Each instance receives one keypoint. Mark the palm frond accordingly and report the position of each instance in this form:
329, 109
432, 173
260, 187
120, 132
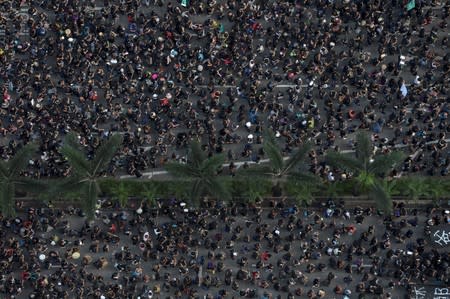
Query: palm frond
258, 170
364, 148
180, 190
304, 177
437, 188
391, 186
72, 140
274, 154
67, 185
212, 164
272, 150
121, 193
343, 161
77, 160
415, 188
255, 189
218, 188
4, 173
196, 155
105, 153
29, 185
20, 159
332, 190
7, 201
382, 198
383, 163
181, 170
196, 191
297, 158
150, 192
269, 137
303, 193
89, 201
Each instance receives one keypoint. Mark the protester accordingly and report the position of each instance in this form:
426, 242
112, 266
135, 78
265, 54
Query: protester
279, 251
164, 72
221, 71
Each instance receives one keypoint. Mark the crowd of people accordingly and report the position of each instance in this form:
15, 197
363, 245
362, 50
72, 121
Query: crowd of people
220, 251
165, 72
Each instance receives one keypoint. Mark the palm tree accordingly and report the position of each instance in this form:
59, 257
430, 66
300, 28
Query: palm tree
280, 169
254, 190
121, 193
298, 182
201, 172
302, 192
150, 192
85, 174
368, 169
415, 187
382, 192
11, 180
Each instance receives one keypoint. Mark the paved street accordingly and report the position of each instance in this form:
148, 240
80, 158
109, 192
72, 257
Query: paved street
313, 88
222, 71
277, 251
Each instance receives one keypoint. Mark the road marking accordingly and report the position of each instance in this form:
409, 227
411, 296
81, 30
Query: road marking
285, 86
150, 174
363, 266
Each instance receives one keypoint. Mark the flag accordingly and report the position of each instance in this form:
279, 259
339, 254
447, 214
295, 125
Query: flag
410, 5
404, 90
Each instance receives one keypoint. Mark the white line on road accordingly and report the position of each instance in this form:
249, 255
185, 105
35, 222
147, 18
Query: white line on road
282, 86
151, 174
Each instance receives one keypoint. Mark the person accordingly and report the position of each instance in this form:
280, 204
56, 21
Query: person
165, 74
188, 62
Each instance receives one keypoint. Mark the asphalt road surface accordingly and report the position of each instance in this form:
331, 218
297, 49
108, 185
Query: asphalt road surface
278, 256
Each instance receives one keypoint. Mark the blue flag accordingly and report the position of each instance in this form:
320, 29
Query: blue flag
404, 90
410, 5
